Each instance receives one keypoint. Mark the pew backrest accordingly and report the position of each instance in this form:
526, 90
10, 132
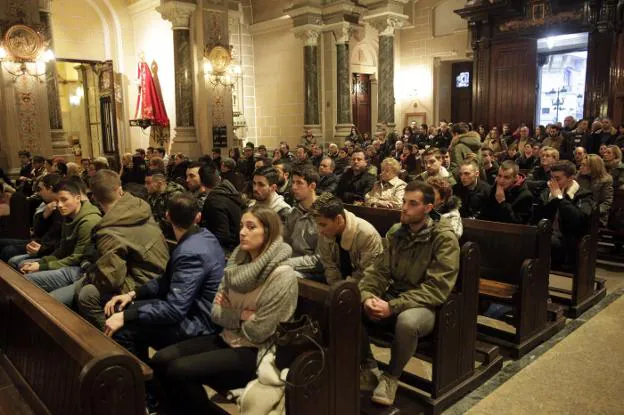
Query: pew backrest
62, 363
381, 219
505, 247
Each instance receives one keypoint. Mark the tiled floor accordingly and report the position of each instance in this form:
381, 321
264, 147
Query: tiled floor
583, 374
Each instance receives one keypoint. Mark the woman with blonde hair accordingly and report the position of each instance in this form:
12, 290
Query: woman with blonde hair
613, 163
73, 169
258, 291
389, 190
594, 177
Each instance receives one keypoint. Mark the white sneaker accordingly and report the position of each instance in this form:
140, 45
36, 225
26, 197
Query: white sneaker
385, 392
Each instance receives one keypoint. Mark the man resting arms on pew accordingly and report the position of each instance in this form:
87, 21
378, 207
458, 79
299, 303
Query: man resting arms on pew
419, 270
62, 268
347, 245
569, 207
128, 249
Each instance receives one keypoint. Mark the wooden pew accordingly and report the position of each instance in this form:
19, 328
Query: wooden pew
514, 270
17, 224
452, 348
58, 362
336, 391
586, 289
381, 219
611, 238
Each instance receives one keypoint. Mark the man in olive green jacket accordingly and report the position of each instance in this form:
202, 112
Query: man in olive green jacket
419, 271
130, 248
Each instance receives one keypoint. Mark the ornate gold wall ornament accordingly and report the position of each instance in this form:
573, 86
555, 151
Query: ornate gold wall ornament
220, 59
552, 19
219, 67
24, 52
23, 43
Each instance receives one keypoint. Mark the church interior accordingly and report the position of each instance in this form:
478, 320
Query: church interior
192, 94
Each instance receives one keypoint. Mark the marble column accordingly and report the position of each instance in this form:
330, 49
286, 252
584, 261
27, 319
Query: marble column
179, 14
312, 116
344, 120
386, 27
60, 146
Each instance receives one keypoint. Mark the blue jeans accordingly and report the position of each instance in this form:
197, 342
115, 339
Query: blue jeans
11, 247
53, 280
17, 261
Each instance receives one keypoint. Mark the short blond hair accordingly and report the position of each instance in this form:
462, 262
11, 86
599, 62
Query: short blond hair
551, 150
392, 163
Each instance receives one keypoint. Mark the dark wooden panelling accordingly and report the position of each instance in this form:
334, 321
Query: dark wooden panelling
513, 75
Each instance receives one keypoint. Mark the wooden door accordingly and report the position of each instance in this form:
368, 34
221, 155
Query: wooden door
461, 92
108, 113
361, 102
513, 83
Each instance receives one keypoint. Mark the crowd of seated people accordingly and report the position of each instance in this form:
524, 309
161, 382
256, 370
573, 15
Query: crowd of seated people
198, 259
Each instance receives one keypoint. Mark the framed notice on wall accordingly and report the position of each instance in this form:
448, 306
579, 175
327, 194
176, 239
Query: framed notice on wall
219, 137
418, 117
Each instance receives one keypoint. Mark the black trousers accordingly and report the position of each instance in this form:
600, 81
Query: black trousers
138, 337
182, 369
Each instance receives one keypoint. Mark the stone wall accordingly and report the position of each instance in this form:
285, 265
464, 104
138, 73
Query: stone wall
79, 32
278, 59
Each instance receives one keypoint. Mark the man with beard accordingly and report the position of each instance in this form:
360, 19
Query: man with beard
222, 209
355, 182
284, 183
194, 183
264, 192
554, 139
419, 270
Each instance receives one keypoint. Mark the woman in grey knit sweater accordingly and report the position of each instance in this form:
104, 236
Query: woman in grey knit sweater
257, 292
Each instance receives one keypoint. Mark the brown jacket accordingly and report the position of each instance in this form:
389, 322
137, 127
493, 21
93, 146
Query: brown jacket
363, 243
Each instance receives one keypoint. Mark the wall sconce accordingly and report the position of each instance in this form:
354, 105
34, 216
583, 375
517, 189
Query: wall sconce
76, 99
218, 67
24, 52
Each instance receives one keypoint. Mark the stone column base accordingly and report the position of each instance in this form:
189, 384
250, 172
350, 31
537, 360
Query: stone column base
342, 130
185, 142
60, 146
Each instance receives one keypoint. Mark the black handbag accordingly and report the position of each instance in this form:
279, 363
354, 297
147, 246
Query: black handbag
294, 337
